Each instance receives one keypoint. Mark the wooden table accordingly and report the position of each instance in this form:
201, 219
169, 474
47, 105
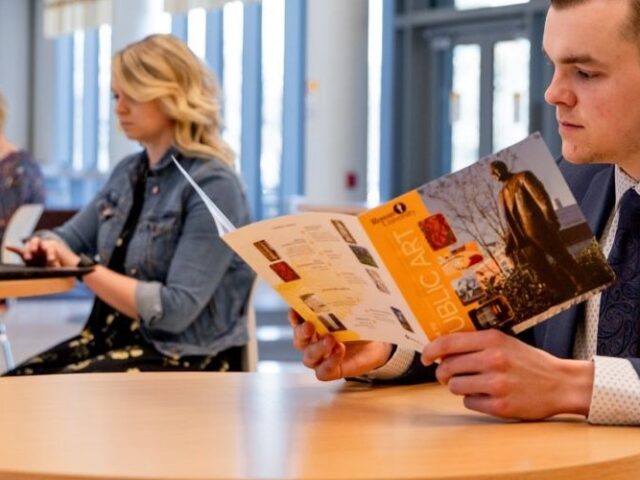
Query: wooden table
242, 425
34, 287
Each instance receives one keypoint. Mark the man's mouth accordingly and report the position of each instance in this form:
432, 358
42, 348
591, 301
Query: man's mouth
565, 124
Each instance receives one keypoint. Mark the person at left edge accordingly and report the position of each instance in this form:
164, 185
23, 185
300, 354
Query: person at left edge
21, 179
170, 295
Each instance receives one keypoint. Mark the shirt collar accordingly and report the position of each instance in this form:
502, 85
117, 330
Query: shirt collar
623, 183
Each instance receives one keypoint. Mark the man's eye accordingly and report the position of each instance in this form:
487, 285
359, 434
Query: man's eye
585, 75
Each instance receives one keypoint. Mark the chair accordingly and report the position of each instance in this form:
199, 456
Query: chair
21, 225
250, 350
54, 217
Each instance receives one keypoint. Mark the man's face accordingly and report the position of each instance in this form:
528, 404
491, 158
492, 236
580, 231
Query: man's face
596, 83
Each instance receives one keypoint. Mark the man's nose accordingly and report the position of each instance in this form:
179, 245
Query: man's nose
559, 92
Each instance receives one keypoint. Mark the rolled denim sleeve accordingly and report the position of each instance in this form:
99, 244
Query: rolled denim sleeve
148, 298
201, 258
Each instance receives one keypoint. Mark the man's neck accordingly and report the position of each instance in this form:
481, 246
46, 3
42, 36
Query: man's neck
631, 168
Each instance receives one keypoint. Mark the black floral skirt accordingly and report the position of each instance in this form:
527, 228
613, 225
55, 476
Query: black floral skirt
114, 343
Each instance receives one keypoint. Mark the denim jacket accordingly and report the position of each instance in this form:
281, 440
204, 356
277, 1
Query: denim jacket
193, 289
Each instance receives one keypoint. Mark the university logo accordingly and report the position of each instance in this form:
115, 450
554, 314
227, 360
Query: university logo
399, 208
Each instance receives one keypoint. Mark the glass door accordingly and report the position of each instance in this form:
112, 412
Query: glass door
486, 90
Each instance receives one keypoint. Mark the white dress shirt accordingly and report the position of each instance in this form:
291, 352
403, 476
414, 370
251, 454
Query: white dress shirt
616, 388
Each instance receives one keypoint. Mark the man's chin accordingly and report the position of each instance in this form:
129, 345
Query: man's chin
582, 158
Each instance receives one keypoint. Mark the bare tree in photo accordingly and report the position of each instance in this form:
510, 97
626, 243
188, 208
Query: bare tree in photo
470, 199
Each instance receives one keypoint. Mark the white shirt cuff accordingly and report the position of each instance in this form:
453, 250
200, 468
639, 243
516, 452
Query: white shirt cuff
395, 367
616, 393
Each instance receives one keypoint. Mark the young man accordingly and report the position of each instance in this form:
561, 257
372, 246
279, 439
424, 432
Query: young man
585, 360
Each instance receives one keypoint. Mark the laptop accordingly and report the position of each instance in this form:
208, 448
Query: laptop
24, 272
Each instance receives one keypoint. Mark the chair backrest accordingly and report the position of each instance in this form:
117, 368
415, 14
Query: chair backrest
54, 217
21, 225
250, 352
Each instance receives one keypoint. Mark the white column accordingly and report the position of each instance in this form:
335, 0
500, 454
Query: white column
336, 109
15, 58
132, 21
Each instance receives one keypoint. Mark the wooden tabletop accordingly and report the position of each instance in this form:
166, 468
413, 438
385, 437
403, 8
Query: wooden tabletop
242, 425
34, 287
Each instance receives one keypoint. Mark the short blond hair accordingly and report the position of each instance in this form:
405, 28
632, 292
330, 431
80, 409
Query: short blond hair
161, 67
3, 112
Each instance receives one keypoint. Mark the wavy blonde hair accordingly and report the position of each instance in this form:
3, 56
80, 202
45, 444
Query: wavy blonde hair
161, 67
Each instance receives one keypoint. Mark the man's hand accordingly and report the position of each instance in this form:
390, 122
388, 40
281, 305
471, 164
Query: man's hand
39, 252
331, 359
502, 376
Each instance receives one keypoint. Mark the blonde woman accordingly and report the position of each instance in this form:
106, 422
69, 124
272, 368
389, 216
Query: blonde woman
170, 295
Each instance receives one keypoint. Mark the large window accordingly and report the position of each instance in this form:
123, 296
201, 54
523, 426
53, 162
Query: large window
374, 88
235, 56
82, 117
272, 98
511, 92
472, 83
196, 32
256, 49
104, 97
464, 106
233, 35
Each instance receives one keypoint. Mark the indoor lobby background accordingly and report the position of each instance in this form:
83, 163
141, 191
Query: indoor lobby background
327, 104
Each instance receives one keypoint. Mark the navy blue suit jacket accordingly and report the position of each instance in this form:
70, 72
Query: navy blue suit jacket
593, 186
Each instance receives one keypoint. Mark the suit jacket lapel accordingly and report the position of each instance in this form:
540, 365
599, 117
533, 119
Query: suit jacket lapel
557, 335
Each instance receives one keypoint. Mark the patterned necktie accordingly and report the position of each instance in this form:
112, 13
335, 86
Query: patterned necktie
619, 327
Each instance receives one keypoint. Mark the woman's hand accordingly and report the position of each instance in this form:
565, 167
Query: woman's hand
51, 253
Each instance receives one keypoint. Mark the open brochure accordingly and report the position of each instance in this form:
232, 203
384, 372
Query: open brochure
500, 244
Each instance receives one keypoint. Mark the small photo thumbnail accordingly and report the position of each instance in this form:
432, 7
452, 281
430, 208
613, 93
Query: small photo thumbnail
331, 322
437, 231
363, 255
402, 319
284, 271
343, 231
267, 250
468, 289
377, 280
315, 304
496, 313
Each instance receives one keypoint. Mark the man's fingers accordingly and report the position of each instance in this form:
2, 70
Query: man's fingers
303, 335
294, 318
498, 407
331, 367
480, 384
319, 351
463, 364
459, 343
